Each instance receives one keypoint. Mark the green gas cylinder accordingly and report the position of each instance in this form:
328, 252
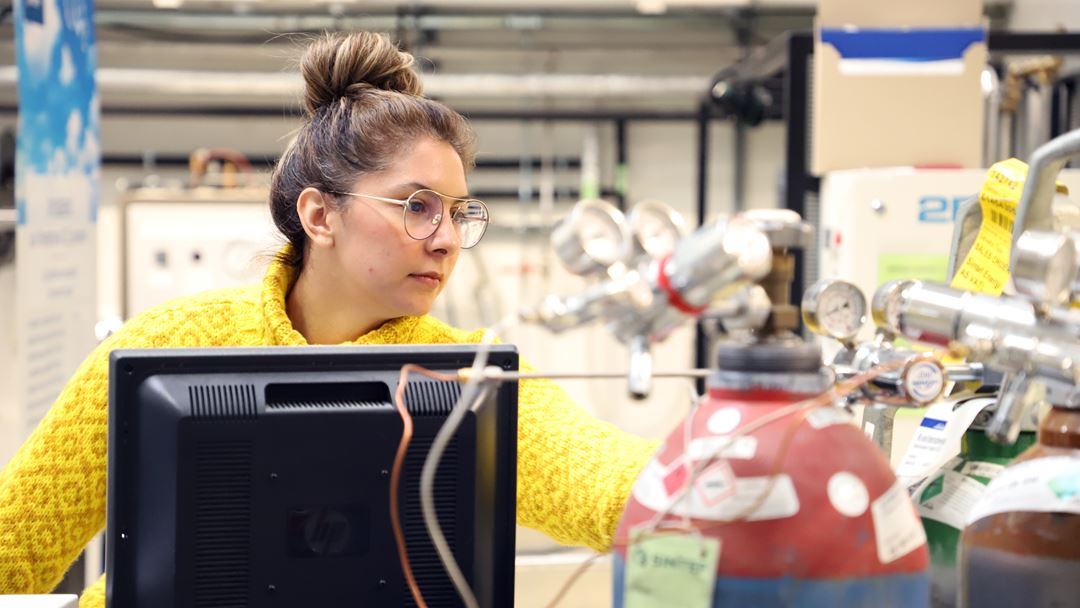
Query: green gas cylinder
944, 499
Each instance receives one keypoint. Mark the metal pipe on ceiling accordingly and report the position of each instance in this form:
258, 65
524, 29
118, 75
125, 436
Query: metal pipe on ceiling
532, 16
278, 85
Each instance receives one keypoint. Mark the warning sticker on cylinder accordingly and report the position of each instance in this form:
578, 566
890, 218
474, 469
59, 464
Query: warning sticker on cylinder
715, 483
897, 528
717, 496
676, 473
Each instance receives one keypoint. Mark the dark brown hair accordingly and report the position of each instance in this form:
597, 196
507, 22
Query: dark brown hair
365, 106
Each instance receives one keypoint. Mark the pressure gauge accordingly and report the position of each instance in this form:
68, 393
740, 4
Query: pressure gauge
834, 308
886, 304
593, 237
656, 228
923, 381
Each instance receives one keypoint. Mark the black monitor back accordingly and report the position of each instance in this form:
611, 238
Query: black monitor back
260, 477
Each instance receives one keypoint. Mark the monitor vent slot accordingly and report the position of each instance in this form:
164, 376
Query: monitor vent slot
328, 395
431, 398
330, 405
236, 401
222, 536
435, 584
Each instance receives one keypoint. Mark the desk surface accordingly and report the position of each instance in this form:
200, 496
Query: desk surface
39, 601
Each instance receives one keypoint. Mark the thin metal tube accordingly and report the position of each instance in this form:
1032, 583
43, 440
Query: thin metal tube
689, 373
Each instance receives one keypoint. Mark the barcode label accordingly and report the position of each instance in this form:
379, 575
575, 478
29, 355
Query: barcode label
1000, 219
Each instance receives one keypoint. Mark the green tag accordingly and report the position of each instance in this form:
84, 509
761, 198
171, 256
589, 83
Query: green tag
671, 570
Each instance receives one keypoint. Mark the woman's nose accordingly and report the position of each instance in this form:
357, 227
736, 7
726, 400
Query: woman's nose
446, 238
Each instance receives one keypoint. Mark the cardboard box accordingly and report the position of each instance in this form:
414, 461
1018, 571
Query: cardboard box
897, 86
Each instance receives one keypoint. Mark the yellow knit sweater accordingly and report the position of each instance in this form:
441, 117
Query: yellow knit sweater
574, 472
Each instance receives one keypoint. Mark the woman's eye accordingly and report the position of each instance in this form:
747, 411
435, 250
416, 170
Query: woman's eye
425, 203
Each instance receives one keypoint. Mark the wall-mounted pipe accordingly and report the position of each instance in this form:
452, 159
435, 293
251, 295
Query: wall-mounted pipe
253, 85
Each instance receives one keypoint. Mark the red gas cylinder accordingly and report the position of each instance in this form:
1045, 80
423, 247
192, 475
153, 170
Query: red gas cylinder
806, 509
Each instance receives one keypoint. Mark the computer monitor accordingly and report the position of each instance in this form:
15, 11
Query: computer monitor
260, 477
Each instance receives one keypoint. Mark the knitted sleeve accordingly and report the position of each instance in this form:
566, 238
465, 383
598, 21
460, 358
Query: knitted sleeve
575, 472
52, 492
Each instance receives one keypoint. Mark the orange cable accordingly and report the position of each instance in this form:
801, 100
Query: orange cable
395, 473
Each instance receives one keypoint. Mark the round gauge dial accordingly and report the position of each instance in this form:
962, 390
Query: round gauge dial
886, 305
923, 381
656, 227
834, 308
591, 238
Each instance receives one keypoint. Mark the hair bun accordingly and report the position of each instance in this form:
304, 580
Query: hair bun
342, 65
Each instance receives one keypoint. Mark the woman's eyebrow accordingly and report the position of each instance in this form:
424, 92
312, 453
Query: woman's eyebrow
420, 186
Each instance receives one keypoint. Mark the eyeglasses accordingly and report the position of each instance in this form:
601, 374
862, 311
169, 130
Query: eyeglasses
422, 214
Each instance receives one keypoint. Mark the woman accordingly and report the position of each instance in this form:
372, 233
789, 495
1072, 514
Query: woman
372, 199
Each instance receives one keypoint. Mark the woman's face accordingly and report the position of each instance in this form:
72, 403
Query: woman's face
382, 267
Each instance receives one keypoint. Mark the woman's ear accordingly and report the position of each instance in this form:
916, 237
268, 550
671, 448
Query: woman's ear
313, 208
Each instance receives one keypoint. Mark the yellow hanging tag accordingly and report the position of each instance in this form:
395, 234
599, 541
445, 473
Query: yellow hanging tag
671, 570
986, 267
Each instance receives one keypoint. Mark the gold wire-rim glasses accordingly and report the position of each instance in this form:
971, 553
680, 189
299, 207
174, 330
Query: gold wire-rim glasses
480, 216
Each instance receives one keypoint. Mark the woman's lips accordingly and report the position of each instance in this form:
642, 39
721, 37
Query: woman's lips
428, 279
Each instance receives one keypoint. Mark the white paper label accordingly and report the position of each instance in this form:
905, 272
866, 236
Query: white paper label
742, 448
1043, 485
822, 417
714, 505
949, 497
988, 470
938, 438
897, 528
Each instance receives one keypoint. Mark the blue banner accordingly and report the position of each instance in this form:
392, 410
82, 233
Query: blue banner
57, 177
59, 110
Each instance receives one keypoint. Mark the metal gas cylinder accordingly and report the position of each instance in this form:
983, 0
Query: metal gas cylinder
1021, 545
946, 497
834, 529
798, 508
